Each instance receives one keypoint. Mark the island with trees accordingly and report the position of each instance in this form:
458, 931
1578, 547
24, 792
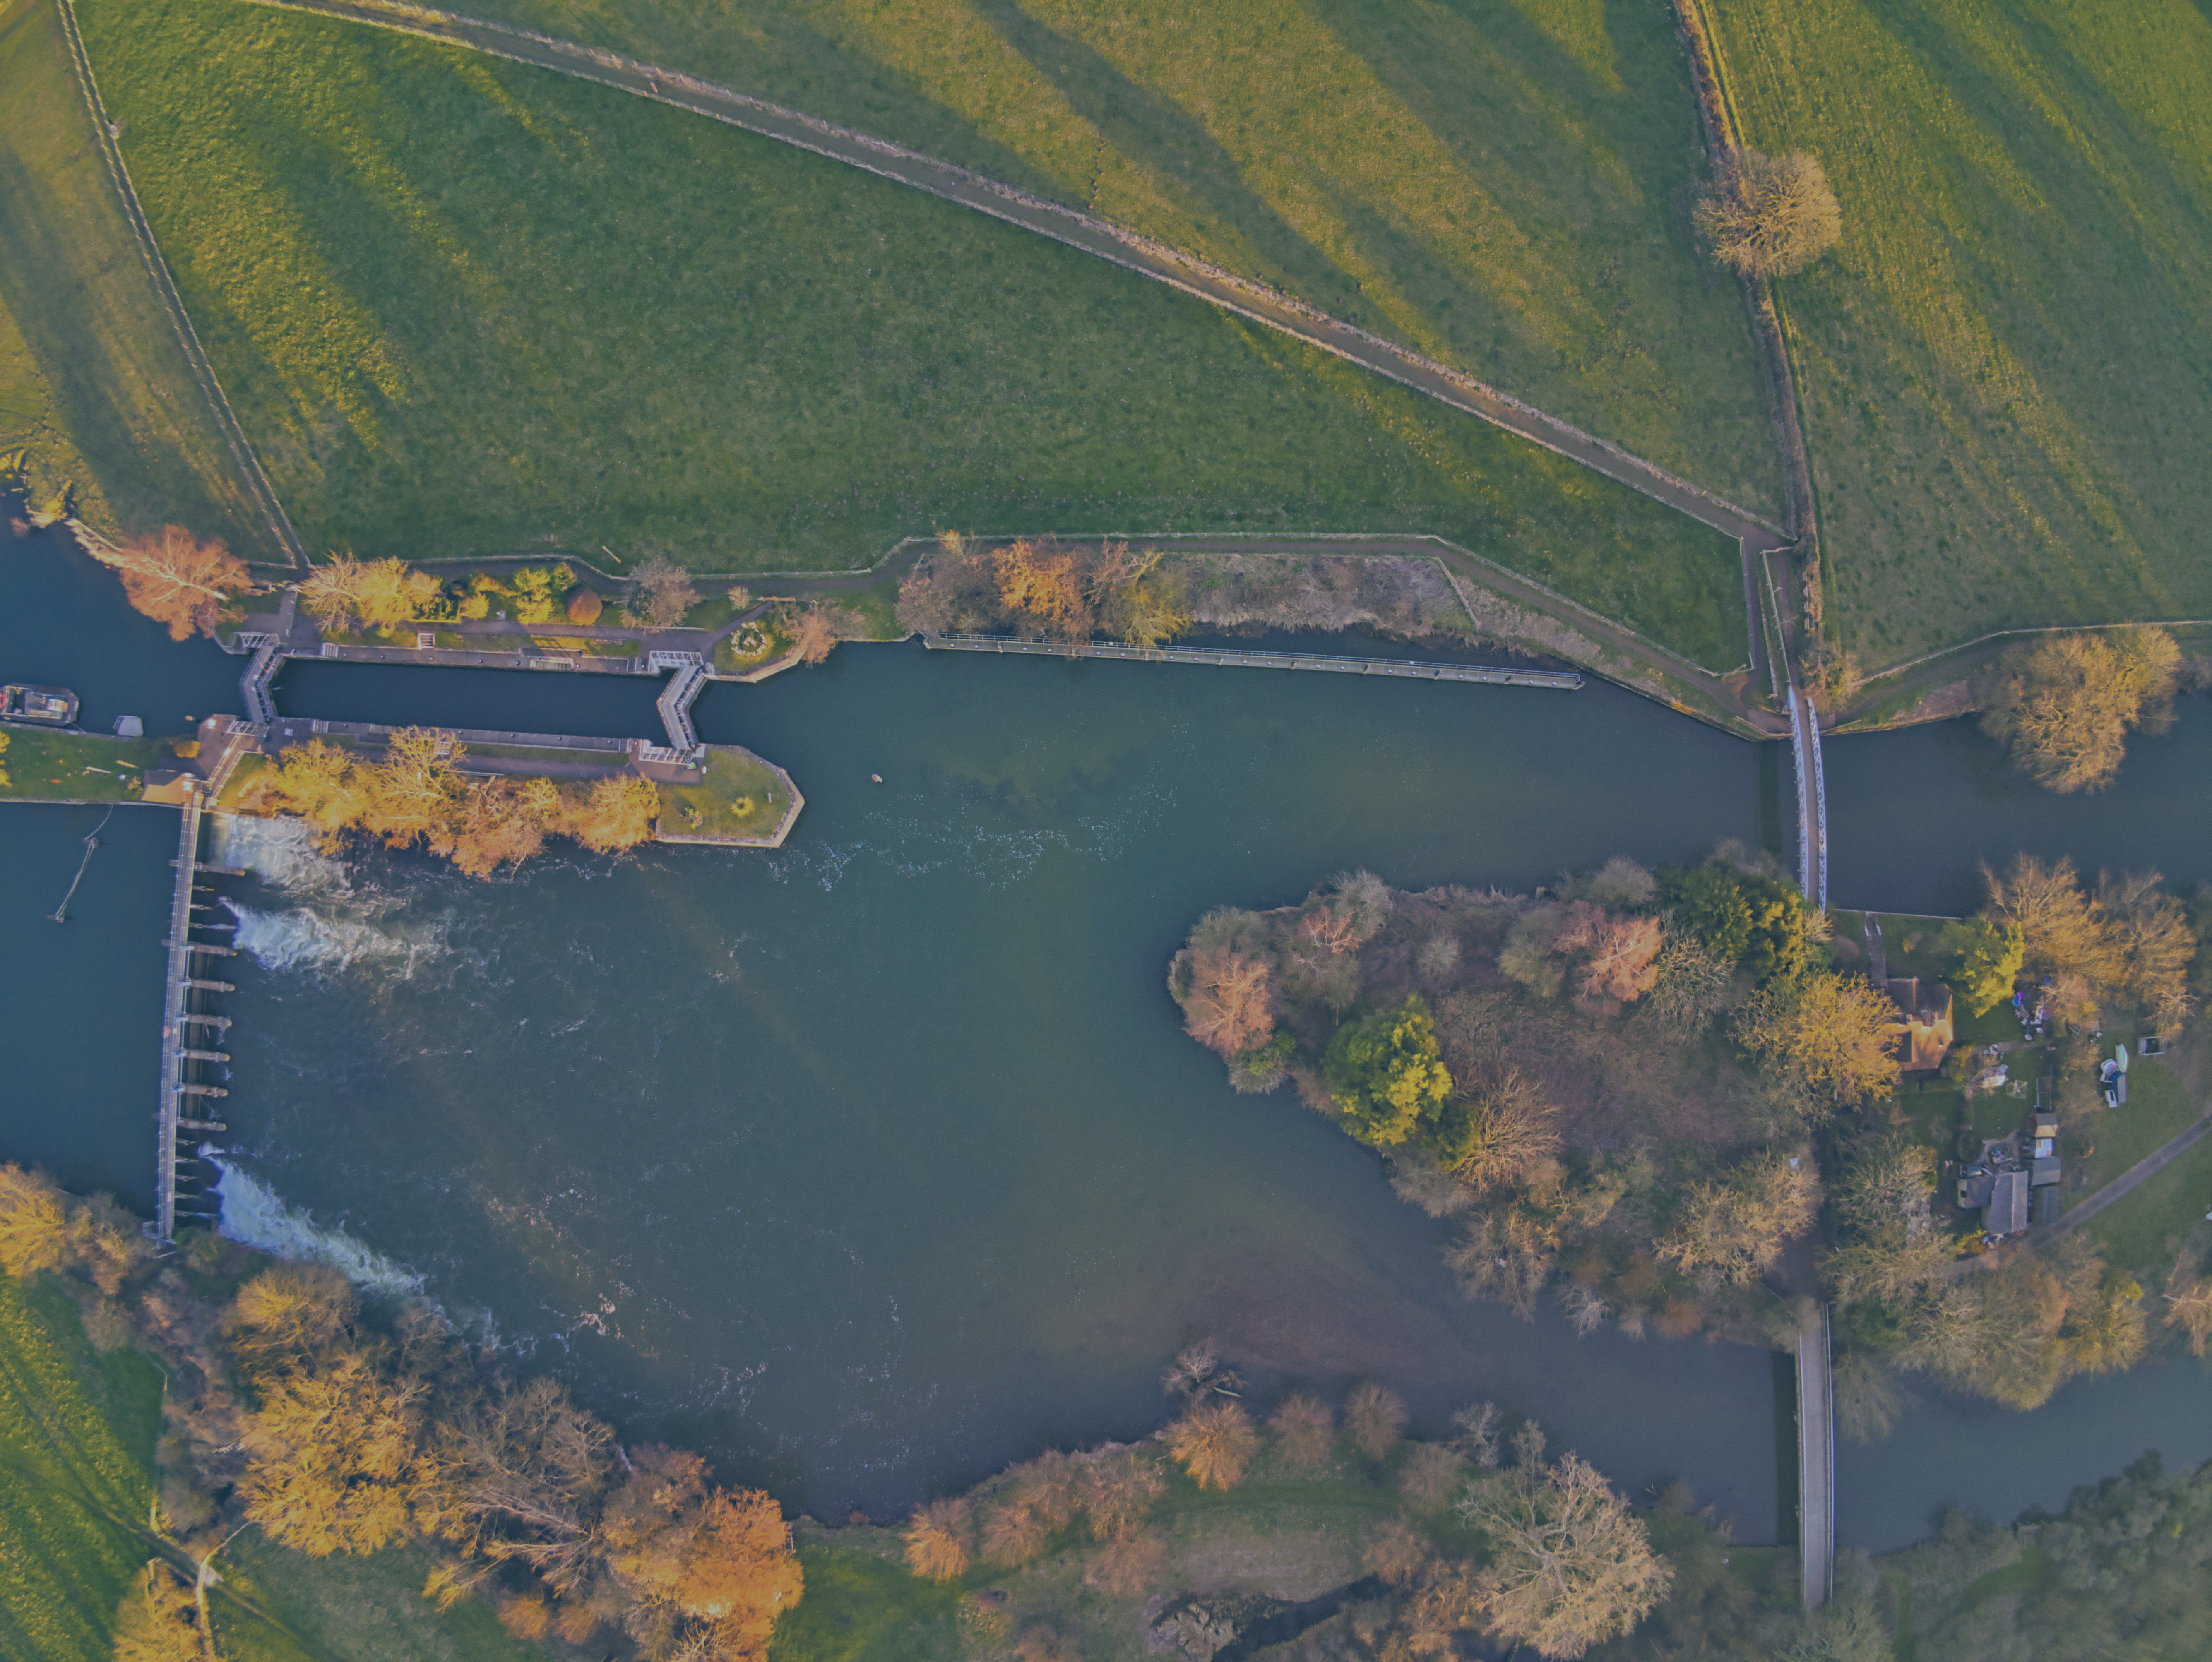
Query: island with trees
1635, 1091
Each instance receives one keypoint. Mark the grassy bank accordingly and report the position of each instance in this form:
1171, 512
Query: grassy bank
2007, 366
77, 1432
740, 796
467, 307
75, 767
76, 1451
1501, 186
94, 386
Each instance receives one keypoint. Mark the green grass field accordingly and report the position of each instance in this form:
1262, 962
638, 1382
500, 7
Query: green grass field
93, 383
75, 767
1503, 184
2144, 1231
466, 307
76, 1453
2006, 367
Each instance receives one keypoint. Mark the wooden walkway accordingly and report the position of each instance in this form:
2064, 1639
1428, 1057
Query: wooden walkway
1402, 668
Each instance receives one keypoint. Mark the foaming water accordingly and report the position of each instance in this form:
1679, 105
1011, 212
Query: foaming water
281, 853
255, 1215
306, 939
333, 925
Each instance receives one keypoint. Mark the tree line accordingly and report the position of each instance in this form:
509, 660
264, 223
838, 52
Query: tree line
339, 1430
1564, 1563
290, 1408
415, 794
1034, 588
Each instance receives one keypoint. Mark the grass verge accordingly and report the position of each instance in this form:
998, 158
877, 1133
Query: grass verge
467, 306
2008, 362
94, 386
740, 796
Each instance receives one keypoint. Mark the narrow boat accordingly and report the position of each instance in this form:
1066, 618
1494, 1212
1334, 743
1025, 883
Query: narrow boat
44, 706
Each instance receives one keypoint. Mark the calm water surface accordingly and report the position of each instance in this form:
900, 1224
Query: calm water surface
875, 1162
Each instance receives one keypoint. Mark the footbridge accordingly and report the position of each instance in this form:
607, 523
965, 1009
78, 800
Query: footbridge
1816, 1459
1804, 741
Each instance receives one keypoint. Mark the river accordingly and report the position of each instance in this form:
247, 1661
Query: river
870, 1163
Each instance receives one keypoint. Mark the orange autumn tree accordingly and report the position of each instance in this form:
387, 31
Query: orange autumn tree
178, 580
710, 1568
1044, 590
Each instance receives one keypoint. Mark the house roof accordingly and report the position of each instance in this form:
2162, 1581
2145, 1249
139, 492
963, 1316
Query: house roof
2007, 1212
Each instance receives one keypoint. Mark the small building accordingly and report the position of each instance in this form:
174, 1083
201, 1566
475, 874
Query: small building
2007, 1212
2044, 1172
1974, 1190
1923, 1022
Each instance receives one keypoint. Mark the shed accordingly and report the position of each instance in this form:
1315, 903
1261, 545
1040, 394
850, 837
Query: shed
1974, 1191
2007, 1212
2045, 1173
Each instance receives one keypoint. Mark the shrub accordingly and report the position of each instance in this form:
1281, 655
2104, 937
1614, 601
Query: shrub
585, 605
1214, 1443
937, 1540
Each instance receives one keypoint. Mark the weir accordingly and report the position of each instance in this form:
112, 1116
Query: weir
176, 993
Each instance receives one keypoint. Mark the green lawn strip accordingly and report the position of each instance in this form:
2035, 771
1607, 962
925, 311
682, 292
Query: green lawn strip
861, 1605
2010, 355
77, 1443
2142, 1230
80, 767
461, 304
740, 796
1505, 186
282, 1606
2157, 1111
93, 383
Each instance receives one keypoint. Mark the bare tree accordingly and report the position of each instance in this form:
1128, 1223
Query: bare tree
663, 594
1768, 216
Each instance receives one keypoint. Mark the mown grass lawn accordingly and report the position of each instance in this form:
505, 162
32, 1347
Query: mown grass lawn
2142, 1232
1504, 185
75, 767
465, 308
740, 796
94, 387
2006, 367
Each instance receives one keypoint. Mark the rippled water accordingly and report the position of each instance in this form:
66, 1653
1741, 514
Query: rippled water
874, 1161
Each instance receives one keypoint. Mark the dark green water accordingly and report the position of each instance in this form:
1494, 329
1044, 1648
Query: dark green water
876, 1161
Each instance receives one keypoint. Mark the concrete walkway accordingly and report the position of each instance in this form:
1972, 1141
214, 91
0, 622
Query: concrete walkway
1816, 1457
